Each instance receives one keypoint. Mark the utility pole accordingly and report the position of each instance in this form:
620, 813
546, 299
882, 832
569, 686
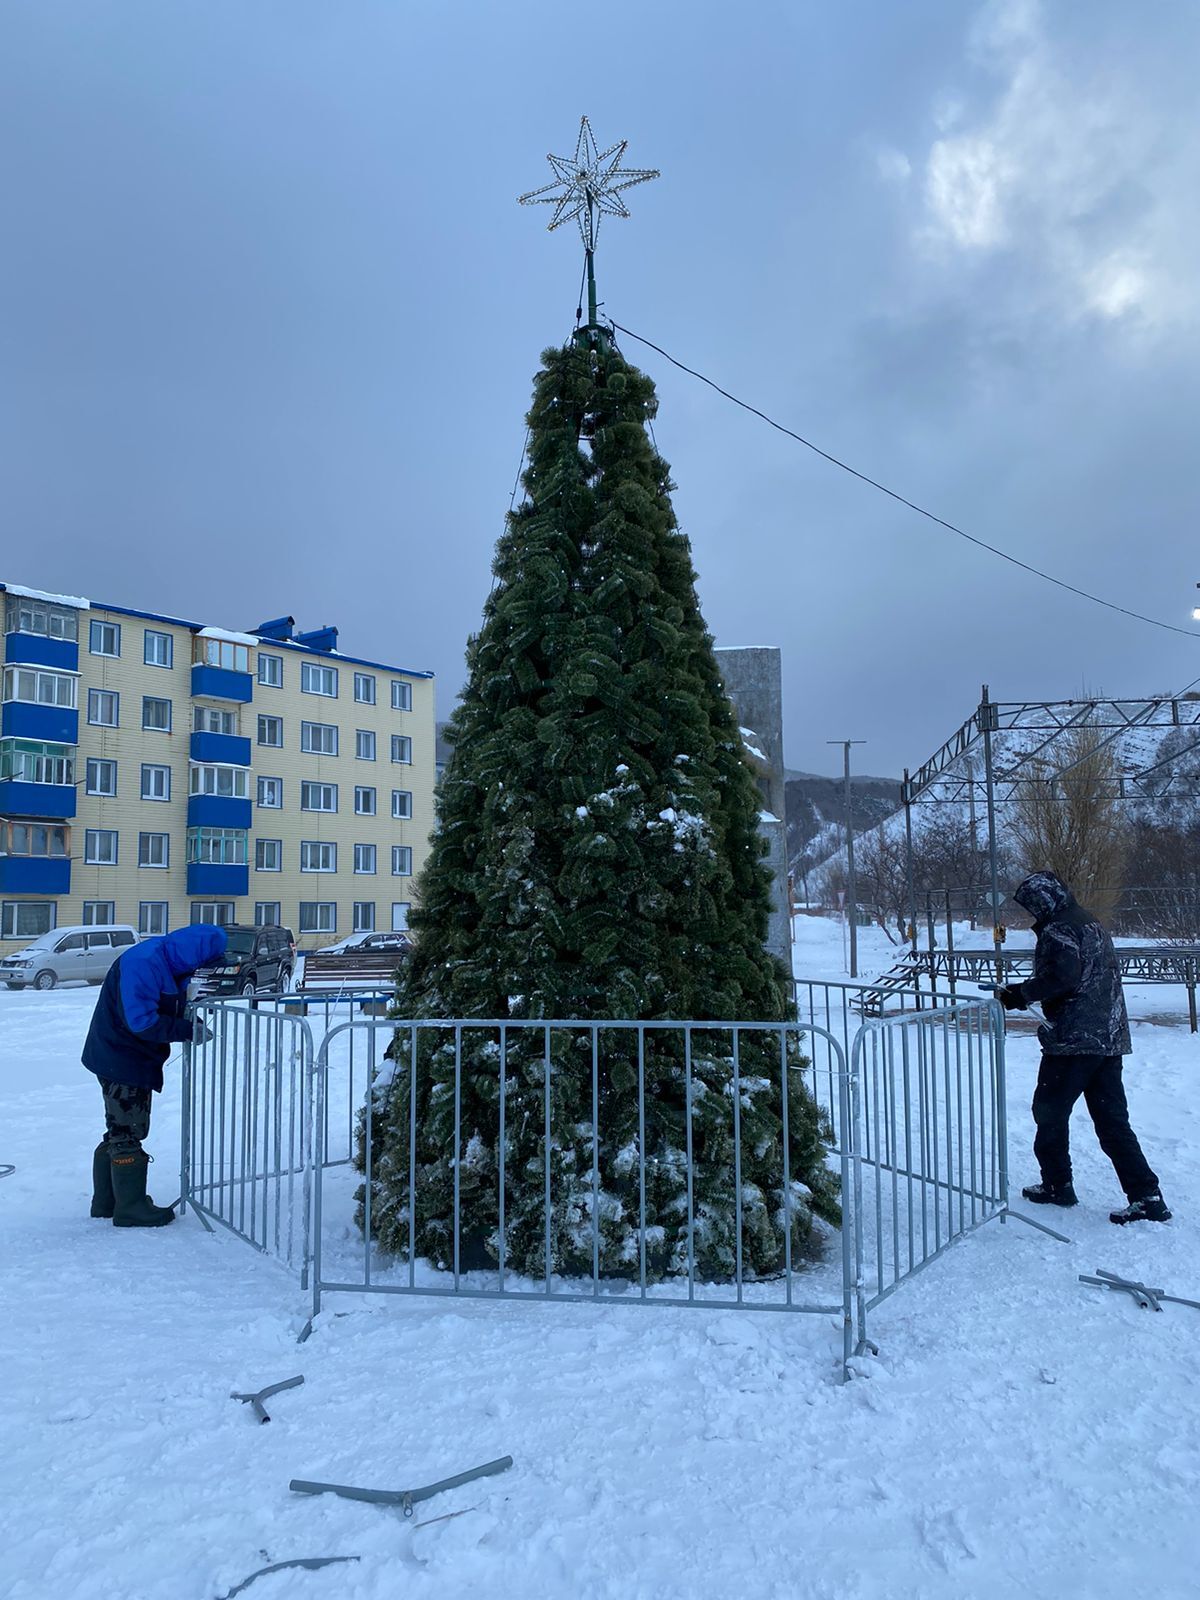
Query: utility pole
852, 886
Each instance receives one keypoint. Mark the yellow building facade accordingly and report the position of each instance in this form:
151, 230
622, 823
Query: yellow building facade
156, 771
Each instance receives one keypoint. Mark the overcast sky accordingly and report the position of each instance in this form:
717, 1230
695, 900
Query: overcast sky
269, 315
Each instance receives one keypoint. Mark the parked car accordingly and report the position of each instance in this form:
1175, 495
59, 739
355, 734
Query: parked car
67, 955
397, 940
256, 960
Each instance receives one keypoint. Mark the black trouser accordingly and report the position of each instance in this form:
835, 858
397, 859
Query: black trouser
126, 1111
1061, 1080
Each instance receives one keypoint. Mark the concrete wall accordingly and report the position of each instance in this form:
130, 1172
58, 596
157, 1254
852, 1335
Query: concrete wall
753, 678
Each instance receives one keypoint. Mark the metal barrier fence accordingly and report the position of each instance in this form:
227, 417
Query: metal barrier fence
277, 1147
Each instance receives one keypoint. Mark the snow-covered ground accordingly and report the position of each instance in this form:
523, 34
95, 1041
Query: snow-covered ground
1019, 1435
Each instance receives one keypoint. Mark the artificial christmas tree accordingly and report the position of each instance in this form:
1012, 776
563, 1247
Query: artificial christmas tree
596, 856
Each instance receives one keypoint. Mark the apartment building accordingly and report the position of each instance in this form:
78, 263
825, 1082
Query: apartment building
157, 772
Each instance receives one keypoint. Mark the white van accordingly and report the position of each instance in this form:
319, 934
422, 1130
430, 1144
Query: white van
67, 955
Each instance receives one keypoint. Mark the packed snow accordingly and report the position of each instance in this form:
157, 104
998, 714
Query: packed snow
1019, 1434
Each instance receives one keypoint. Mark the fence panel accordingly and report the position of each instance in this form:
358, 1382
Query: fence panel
247, 1131
537, 1221
931, 1147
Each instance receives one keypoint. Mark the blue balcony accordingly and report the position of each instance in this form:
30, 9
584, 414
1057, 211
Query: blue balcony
20, 799
218, 683
217, 811
35, 650
210, 878
51, 724
35, 874
225, 749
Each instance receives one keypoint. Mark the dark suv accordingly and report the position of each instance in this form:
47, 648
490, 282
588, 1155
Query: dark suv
257, 960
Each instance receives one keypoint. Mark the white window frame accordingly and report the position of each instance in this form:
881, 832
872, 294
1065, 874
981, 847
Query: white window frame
363, 854
98, 913
262, 789
364, 688
401, 695
402, 861
206, 777
64, 686
97, 626
144, 849
267, 851
364, 744
364, 916
100, 762
318, 916
24, 614
402, 805
152, 912
276, 909
204, 716
328, 738
270, 724
149, 700
202, 839
222, 912
308, 788
155, 774
273, 677
400, 911
317, 677
402, 749
150, 659
98, 698
362, 806
91, 847
15, 921
318, 855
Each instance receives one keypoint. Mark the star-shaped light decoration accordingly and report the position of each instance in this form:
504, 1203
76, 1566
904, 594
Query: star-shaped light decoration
588, 185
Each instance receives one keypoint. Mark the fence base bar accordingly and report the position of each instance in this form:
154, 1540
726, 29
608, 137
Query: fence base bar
406, 1499
1030, 1222
309, 1563
541, 1297
256, 1399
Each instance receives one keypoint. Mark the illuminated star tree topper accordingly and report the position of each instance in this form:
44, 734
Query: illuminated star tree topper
586, 187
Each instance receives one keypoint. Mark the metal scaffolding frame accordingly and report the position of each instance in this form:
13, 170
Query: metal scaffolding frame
1004, 747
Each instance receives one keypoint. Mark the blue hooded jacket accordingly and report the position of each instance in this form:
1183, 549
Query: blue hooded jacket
140, 1012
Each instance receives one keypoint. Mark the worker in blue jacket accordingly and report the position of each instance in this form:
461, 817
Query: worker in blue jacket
140, 1014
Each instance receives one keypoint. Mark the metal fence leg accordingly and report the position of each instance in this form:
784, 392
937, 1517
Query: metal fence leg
185, 1130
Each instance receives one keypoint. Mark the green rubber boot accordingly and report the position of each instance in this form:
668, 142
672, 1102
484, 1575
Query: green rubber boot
103, 1204
133, 1208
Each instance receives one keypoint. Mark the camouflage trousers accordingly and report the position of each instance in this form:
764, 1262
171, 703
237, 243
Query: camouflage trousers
126, 1111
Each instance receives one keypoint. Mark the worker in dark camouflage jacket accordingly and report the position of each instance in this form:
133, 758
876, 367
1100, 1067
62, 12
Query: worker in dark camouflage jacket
1077, 981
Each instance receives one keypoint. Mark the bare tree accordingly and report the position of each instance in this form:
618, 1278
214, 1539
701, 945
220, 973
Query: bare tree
1066, 818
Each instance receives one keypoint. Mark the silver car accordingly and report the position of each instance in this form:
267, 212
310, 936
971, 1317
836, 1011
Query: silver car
67, 955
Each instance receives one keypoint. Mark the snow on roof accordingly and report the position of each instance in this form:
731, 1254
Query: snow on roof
227, 636
77, 601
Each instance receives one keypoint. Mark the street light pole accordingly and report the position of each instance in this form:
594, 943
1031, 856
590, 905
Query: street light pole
852, 883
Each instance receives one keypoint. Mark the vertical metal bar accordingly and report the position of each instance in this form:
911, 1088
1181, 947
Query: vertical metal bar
595, 1038
308, 1091
503, 1142
908, 1155
369, 1170
187, 1089
457, 1145
931, 933
221, 1197
879, 1122
996, 1020
858, 1220
923, 1112
313, 1165
893, 1153
849, 1217
784, 1085
253, 1030
641, 1092
971, 1119
412, 1155
912, 886
951, 974
737, 1157
546, 1070
691, 1191
958, 1120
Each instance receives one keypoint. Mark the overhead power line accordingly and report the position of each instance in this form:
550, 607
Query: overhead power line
1025, 566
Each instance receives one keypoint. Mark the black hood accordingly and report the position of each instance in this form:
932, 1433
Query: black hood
1043, 895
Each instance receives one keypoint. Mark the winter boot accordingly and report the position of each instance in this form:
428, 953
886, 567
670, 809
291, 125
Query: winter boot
102, 1188
1046, 1194
133, 1207
1150, 1208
